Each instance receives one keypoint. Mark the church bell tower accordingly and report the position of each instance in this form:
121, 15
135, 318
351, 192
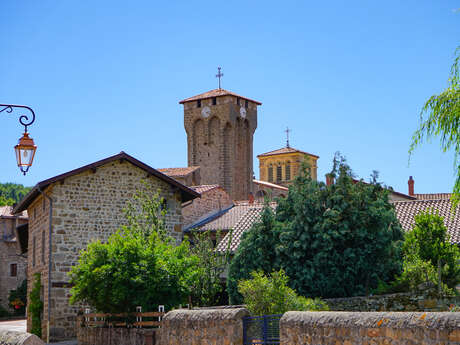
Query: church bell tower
220, 126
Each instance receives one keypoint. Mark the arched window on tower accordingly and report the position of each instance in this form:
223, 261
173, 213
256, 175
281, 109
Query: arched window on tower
278, 173
287, 171
270, 173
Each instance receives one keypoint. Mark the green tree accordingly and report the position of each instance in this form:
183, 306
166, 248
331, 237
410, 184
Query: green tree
269, 294
332, 241
138, 266
211, 264
11, 193
443, 121
429, 242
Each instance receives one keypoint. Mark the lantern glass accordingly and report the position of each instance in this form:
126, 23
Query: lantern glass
25, 151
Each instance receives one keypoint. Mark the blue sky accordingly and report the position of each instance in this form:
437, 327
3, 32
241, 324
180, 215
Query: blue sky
106, 76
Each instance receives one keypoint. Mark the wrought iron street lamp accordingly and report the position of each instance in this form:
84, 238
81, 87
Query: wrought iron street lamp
25, 149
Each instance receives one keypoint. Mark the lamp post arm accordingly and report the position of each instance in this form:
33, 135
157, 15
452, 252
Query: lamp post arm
23, 119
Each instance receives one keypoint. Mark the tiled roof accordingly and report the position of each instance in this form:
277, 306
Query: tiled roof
407, 210
178, 172
229, 219
186, 192
285, 150
215, 93
245, 222
7, 212
434, 196
204, 188
270, 185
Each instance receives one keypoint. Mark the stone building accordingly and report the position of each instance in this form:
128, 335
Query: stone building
220, 126
79, 206
12, 263
283, 165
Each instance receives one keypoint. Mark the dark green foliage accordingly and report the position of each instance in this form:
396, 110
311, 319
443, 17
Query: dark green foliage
36, 306
138, 266
332, 241
3, 312
270, 294
11, 193
18, 298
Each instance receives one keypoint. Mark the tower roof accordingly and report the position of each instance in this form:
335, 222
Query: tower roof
216, 93
283, 151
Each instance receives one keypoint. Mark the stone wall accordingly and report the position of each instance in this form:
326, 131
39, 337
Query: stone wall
9, 257
86, 207
211, 201
207, 327
116, 336
393, 302
346, 328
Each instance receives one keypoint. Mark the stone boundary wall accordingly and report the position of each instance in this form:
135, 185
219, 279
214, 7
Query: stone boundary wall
210, 327
19, 338
354, 328
392, 302
115, 336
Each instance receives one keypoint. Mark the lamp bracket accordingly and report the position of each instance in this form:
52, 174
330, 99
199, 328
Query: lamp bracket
23, 119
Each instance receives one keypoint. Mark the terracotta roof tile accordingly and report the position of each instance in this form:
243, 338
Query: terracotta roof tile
204, 188
434, 196
285, 150
216, 93
178, 172
407, 210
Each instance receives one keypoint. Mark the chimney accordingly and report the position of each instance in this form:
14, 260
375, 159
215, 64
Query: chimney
411, 186
329, 179
251, 199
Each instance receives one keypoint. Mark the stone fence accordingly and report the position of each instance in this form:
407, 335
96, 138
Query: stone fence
354, 328
393, 302
210, 327
225, 327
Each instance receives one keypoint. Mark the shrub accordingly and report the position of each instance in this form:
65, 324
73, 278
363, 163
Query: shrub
36, 306
18, 298
138, 266
269, 294
428, 241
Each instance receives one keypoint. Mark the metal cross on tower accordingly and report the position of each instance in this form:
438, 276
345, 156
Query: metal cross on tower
219, 74
287, 136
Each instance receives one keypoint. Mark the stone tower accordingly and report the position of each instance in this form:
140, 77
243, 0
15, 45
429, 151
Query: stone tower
220, 127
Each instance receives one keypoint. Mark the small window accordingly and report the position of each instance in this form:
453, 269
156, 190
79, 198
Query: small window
33, 250
270, 173
238, 101
288, 171
43, 247
246, 104
198, 103
214, 100
13, 270
278, 173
